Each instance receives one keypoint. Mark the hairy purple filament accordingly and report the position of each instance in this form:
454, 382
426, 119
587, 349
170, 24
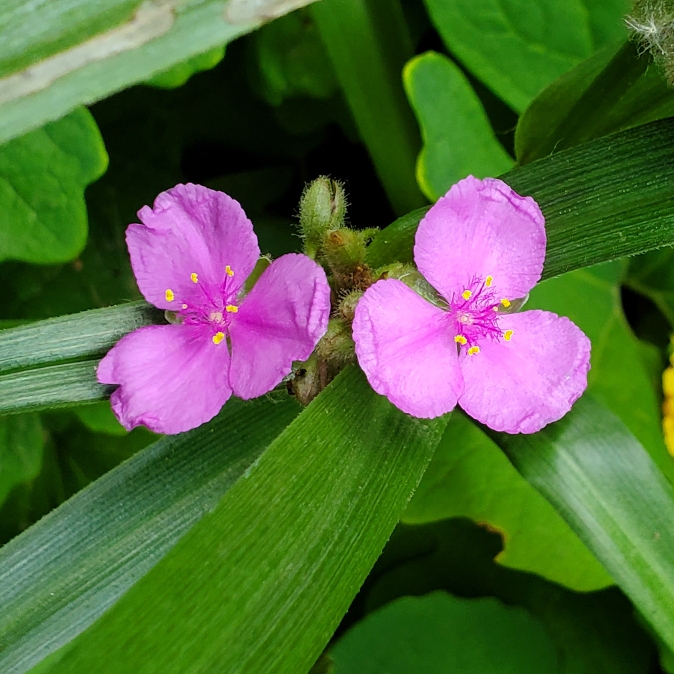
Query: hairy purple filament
475, 314
215, 310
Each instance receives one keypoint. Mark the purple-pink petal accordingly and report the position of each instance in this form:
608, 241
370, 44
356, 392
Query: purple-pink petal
171, 377
190, 230
279, 321
406, 349
520, 385
480, 229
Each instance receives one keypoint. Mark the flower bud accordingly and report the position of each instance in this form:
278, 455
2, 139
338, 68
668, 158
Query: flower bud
322, 208
336, 347
346, 309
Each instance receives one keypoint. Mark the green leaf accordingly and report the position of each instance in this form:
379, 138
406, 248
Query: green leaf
83, 335
21, 445
56, 56
652, 275
51, 386
518, 48
606, 486
440, 633
291, 60
470, 477
602, 200
181, 72
458, 139
42, 179
594, 632
609, 92
61, 574
618, 377
99, 418
368, 66
301, 530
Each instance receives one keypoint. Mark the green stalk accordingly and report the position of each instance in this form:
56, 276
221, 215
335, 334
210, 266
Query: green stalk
368, 44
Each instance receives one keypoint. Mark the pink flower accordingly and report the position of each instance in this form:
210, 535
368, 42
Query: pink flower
192, 255
480, 246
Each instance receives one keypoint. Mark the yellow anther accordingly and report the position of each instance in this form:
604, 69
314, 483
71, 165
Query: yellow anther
473, 350
466, 294
169, 295
507, 335
231, 308
194, 277
229, 271
218, 337
488, 281
184, 306
505, 302
460, 339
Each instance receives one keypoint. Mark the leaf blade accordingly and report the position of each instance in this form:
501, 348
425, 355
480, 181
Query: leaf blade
602, 481
57, 577
275, 546
602, 200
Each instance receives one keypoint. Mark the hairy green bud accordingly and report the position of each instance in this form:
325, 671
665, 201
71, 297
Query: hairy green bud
322, 208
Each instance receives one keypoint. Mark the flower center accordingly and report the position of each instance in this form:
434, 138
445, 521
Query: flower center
213, 305
476, 314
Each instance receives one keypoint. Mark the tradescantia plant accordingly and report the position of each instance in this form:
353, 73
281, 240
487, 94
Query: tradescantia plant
319, 501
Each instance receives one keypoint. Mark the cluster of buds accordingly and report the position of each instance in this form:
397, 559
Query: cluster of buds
341, 251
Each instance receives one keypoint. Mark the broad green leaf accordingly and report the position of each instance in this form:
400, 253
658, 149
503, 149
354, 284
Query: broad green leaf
667, 660
594, 632
43, 174
440, 633
56, 56
180, 73
61, 574
457, 137
300, 531
21, 445
518, 48
291, 60
609, 490
100, 418
368, 65
652, 275
611, 91
470, 477
618, 377
602, 200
